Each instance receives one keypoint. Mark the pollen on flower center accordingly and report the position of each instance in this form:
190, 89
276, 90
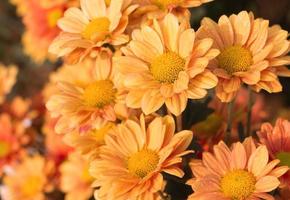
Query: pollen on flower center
4, 149
99, 94
165, 3
142, 163
97, 29
235, 59
238, 184
53, 16
166, 67
284, 158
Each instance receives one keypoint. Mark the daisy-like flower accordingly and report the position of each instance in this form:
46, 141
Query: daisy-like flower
277, 140
26, 181
41, 28
7, 80
91, 26
75, 179
98, 101
251, 53
240, 173
165, 64
88, 143
134, 156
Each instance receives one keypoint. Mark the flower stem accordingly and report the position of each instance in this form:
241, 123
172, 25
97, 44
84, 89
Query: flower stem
179, 122
229, 122
249, 112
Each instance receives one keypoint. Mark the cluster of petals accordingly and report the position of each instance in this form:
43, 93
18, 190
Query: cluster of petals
74, 103
252, 53
241, 172
277, 140
134, 156
91, 26
165, 64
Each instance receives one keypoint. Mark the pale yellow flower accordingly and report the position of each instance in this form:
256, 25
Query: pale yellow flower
91, 26
99, 100
133, 157
252, 53
26, 181
166, 64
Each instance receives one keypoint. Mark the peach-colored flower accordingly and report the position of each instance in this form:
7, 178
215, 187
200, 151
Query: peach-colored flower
165, 64
7, 80
277, 140
251, 52
41, 28
134, 156
240, 173
98, 101
27, 180
88, 143
91, 26
75, 178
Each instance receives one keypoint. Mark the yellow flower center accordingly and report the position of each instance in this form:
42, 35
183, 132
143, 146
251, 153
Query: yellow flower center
284, 158
32, 186
142, 163
97, 29
4, 149
108, 2
53, 16
99, 94
238, 184
235, 59
165, 3
166, 67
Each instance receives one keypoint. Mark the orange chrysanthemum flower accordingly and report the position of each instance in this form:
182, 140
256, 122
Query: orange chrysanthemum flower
41, 28
26, 181
7, 80
92, 26
98, 101
251, 53
134, 156
165, 64
240, 173
277, 140
75, 179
